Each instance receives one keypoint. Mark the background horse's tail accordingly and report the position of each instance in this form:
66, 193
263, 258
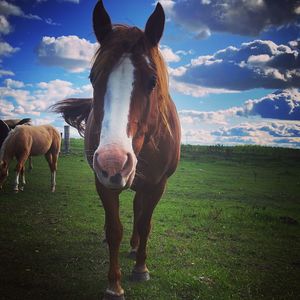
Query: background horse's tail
75, 111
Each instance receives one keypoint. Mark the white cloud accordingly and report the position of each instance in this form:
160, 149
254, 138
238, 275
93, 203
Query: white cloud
10, 83
6, 49
49, 21
195, 90
9, 9
6, 108
168, 54
282, 104
218, 117
267, 133
261, 133
69, 52
257, 64
234, 16
6, 73
5, 27
197, 137
36, 100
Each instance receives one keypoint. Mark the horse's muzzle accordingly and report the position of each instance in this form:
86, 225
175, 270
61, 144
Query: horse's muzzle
114, 166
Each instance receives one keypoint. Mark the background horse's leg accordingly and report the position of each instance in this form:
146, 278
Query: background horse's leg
19, 167
135, 239
53, 171
52, 161
114, 233
23, 181
30, 163
48, 157
150, 198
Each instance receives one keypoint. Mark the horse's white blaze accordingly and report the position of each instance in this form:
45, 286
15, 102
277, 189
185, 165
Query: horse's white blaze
117, 105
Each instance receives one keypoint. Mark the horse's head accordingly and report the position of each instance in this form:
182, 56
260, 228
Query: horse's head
126, 77
4, 130
3, 172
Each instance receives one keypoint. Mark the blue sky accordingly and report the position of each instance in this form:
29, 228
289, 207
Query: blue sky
234, 65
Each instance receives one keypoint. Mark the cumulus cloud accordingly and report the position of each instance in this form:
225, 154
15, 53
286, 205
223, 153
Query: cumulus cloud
195, 90
168, 54
279, 133
6, 49
5, 27
218, 117
284, 105
246, 17
257, 64
9, 9
69, 52
36, 100
280, 105
262, 133
10, 83
6, 73
49, 21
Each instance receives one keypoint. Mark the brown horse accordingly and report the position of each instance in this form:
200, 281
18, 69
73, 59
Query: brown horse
7, 125
12, 123
25, 141
131, 128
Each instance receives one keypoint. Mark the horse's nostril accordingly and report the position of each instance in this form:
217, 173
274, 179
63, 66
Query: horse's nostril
104, 174
116, 179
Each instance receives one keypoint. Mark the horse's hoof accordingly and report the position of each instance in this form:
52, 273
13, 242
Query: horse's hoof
139, 277
53, 189
132, 254
109, 296
21, 188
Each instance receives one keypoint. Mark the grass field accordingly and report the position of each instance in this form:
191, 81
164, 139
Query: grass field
226, 228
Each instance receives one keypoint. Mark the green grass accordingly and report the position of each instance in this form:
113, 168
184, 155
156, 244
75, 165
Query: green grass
224, 229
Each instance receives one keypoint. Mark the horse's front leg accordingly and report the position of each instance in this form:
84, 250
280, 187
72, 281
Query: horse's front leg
149, 198
135, 239
114, 232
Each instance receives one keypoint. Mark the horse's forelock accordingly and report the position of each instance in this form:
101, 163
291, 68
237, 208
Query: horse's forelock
123, 39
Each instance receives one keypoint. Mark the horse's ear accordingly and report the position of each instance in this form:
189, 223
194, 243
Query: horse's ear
155, 25
101, 22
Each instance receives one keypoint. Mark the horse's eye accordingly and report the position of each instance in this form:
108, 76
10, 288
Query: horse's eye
152, 83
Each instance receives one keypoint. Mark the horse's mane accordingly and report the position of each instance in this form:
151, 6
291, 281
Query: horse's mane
123, 40
74, 111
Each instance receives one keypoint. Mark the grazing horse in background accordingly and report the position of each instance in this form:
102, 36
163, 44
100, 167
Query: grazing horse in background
131, 129
4, 131
7, 125
25, 141
12, 123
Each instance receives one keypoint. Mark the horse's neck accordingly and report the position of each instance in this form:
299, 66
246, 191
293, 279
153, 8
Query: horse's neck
5, 153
